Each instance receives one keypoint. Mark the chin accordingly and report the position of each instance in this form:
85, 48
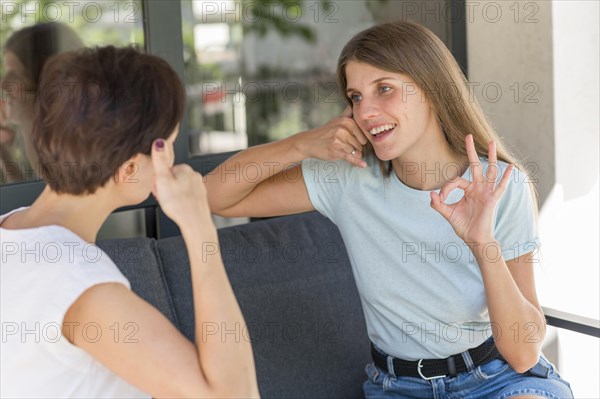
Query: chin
385, 155
137, 199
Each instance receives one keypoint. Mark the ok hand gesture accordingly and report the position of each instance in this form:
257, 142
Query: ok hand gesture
472, 216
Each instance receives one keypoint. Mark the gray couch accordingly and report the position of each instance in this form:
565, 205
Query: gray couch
293, 281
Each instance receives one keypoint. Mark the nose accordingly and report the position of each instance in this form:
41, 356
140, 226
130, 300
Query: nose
366, 109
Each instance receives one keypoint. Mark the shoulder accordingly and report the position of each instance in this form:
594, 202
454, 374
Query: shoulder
519, 182
518, 204
520, 187
321, 171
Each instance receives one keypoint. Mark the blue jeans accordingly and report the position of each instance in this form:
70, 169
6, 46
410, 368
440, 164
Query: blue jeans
492, 380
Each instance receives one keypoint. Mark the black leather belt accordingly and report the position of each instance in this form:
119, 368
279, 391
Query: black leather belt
429, 369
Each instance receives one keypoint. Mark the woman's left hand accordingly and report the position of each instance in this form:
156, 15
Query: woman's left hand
472, 216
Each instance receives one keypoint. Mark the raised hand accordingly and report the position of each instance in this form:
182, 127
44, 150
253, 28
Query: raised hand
340, 138
472, 216
178, 189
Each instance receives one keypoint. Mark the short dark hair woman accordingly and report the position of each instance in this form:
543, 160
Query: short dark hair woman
104, 131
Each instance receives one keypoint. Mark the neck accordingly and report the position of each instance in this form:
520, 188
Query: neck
430, 162
82, 214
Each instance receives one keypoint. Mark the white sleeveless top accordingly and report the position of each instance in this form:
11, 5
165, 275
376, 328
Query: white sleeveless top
43, 271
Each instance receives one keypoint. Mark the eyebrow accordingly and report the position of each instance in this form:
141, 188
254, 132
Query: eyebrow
349, 89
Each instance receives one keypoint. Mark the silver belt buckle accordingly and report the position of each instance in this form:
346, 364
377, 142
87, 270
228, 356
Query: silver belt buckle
420, 366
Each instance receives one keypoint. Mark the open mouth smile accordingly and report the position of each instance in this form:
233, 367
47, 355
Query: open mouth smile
381, 132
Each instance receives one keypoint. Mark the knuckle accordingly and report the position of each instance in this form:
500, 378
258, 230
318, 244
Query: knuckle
349, 123
339, 133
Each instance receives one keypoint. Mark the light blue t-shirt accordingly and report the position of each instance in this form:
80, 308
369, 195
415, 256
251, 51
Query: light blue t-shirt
421, 289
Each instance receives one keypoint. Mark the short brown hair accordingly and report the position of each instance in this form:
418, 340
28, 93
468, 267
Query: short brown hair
99, 107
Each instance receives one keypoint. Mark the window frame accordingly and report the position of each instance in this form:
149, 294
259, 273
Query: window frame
162, 23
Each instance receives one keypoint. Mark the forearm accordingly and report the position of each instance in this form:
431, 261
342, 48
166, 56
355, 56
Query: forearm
230, 182
518, 326
221, 343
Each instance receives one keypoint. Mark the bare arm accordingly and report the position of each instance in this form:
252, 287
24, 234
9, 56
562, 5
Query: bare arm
267, 180
518, 322
509, 286
158, 359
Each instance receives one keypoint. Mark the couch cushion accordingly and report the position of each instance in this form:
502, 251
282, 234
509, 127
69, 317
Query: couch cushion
293, 281
138, 260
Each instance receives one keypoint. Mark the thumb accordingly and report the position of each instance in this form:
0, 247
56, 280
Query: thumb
160, 159
347, 112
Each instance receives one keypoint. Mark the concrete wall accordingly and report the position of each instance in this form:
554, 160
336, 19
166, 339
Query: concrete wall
554, 45
577, 104
510, 56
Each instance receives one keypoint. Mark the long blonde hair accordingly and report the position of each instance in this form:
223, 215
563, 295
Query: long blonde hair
409, 48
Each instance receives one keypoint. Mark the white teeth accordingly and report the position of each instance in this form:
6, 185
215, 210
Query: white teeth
380, 129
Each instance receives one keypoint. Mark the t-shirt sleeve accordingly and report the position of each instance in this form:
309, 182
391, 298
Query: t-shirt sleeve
326, 182
516, 217
81, 275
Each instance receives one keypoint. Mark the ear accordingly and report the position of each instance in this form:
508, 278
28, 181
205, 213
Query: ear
127, 172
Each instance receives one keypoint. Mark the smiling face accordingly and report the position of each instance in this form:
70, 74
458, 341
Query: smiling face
392, 112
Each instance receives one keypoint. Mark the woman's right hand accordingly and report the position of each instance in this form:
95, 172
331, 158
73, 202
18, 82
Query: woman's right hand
340, 138
178, 189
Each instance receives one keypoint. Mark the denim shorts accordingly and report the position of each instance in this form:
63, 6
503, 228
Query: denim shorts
492, 380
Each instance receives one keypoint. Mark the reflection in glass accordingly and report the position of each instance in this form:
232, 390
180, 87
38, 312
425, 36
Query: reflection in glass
30, 34
258, 71
261, 70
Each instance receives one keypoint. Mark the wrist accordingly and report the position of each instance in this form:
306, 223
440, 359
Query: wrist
299, 147
479, 242
198, 227
488, 249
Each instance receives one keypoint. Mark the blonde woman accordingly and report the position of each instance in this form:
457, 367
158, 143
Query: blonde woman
438, 223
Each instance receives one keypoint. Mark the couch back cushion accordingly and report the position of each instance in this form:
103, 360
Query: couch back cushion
138, 260
293, 281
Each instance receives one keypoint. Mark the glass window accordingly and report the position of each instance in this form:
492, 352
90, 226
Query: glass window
30, 33
259, 71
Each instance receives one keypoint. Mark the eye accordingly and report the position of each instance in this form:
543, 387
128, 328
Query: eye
355, 98
384, 89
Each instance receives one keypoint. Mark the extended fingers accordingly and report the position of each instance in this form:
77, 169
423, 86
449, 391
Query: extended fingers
161, 159
475, 164
492, 172
503, 181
